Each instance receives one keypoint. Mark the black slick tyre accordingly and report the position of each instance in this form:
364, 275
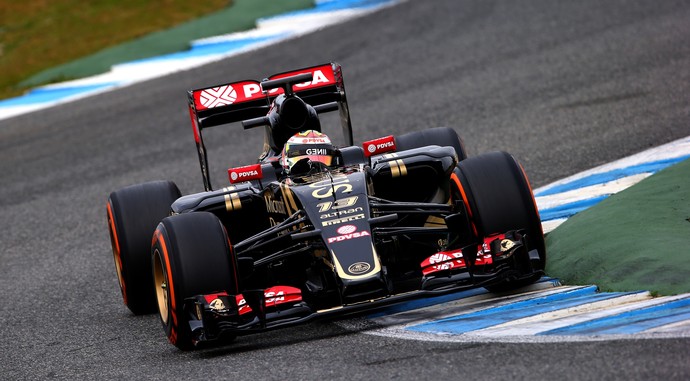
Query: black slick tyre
191, 255
133, 214
497, 194
439, 136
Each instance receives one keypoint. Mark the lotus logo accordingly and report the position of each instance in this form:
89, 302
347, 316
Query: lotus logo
359, 268
217, 305
507, 244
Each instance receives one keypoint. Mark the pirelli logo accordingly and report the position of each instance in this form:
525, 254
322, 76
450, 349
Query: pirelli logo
343, 220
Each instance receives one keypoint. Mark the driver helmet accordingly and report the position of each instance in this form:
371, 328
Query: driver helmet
309, 144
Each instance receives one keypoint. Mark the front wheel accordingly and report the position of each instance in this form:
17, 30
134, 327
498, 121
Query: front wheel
497, 194
191, 255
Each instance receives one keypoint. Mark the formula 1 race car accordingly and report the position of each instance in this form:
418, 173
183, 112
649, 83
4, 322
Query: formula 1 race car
311, 229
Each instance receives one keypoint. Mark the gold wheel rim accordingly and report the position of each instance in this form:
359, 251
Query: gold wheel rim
160, 279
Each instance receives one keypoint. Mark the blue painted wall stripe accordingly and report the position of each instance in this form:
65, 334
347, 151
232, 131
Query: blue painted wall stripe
46, 94
512, 311
49, 96
570, 209
601, 178
630, 322
210, 48
333, 5
427, 302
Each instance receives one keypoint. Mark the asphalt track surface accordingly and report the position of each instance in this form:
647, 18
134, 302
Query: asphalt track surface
564, 86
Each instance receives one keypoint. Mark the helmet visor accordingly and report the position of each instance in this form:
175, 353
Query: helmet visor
316, 153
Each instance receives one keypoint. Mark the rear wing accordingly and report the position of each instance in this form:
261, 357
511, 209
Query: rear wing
238, 101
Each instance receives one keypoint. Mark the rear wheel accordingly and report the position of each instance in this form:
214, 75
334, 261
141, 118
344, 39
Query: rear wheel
498, 196
191, 255
133, 213
439, 136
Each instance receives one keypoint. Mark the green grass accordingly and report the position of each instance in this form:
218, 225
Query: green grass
39, 34
636, 239
44, 41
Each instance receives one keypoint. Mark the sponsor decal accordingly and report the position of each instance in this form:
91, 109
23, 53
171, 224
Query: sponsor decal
282, 294
225, 95
274, 296
346, 229
217, 305
244, 91
246, 173
359, 268
340, 213
507, 244
215, 302
311, 140
322, 76
242, 306
218, 96
444, 260
316, 151
343, 220
274, 206
329, 187
379, 146
310, 137
346, 237
453, 260
339, 204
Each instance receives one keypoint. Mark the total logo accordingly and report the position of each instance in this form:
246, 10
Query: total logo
348, 232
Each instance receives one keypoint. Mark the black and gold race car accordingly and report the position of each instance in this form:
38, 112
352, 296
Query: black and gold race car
311, 229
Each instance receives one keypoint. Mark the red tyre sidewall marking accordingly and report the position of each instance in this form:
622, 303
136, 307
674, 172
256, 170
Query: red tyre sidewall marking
456, 180
118, 258
534, 201
158, 236
233, 263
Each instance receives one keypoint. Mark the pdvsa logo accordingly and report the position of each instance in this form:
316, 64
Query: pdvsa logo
347, 229
218, 96
243, 175
378, 146
246, 173
348, 232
